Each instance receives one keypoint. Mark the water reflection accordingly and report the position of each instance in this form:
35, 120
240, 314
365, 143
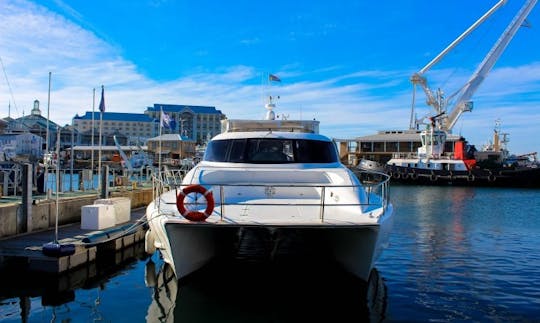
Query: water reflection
463, 254
455, 254
165, 288
28, 295
236, 291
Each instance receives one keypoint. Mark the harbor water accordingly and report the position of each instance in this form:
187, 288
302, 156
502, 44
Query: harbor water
456, 254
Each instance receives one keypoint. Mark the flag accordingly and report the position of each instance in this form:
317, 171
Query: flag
272, 77
165, 120
102, 103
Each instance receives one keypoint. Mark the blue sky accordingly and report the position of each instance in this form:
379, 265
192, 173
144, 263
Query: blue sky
345, 63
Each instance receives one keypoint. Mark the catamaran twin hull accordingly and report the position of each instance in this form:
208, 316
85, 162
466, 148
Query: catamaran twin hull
353, 247
353, 234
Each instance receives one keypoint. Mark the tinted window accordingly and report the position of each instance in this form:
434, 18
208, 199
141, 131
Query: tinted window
217, 150
314, 151
271, 151
237, 151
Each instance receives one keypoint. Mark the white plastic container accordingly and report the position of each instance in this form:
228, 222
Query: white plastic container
97, 217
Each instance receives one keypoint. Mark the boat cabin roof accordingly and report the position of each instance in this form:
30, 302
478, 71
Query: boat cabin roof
237, 125
271, 134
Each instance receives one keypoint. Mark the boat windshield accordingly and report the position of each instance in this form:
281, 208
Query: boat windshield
271, 151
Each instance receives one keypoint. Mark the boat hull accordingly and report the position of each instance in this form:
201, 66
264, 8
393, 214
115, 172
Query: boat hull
501, 177
354, 248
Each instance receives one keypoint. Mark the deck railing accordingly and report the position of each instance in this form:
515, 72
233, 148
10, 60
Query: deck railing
414, 155
374, 184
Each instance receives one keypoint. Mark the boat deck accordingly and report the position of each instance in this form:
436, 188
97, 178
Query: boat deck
278, 212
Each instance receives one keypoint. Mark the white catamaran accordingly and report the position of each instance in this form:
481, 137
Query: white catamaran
277, 176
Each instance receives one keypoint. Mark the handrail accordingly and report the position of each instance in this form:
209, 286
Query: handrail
415, 155
379, 187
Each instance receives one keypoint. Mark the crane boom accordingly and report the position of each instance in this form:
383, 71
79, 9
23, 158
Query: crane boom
418, 78
462, 36
462, 103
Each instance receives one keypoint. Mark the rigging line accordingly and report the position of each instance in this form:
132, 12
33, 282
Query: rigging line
9, 85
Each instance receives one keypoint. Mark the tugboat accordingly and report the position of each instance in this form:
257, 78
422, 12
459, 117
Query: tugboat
492, 166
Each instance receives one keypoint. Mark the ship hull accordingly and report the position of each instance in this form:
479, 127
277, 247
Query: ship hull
500, 177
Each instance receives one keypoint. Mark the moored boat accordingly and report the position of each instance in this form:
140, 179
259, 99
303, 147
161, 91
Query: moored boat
492, 166
279, 180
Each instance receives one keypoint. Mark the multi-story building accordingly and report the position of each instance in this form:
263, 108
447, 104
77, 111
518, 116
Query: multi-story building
130, 128
197, 123
192, 124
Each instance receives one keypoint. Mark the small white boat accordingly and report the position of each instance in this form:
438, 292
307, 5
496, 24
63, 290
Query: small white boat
370, 165
276, 176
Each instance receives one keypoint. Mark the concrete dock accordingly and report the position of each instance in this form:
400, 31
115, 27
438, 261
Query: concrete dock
26, 250
23, 234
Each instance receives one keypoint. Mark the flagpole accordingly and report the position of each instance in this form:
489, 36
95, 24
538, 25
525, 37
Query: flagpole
57, 183
46, 157
100, 130
263, 89
160, 126
92, 160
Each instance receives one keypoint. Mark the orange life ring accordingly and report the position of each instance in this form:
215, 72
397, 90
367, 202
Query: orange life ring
195, 215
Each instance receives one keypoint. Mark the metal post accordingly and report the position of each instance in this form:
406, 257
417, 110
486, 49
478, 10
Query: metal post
104, 189
101, 111
15, 181
5, 186
45, 157
221, 200
62, 179
323, 193
24, 221
92, 150
71, 161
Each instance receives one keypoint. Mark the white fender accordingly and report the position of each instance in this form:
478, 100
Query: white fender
149, 242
